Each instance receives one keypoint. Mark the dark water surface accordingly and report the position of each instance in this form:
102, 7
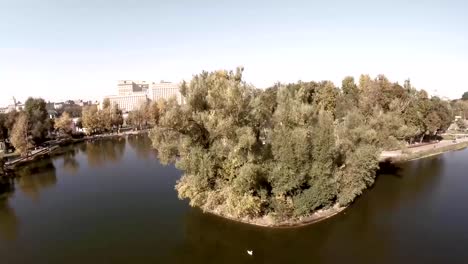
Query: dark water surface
112, 202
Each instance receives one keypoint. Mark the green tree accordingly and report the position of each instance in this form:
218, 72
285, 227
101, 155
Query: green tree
39, 124
116, 117
350, 90
153, 113
248, 152
287, 150
465, 96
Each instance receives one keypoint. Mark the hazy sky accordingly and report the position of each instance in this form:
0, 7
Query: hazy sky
79, 49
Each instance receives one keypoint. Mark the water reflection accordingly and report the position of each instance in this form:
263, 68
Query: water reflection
413, 214
210, 239
142, 146
70, 164
8, 221
102, 151
359, 233
6, 185
420, 177
36, 176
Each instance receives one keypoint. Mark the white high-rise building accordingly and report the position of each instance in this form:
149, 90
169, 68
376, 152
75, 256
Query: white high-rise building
164, 90
129, 102
128, 87
132, 94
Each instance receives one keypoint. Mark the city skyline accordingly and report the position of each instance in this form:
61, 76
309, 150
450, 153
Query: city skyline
53, 52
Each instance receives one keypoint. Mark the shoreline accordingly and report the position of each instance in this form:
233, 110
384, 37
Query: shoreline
321, 215
268, 222
404, 157
57, 148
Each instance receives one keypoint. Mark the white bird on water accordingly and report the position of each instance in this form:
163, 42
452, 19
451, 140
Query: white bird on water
250, 252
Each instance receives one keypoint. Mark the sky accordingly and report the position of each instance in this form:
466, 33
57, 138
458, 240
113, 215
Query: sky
65, 49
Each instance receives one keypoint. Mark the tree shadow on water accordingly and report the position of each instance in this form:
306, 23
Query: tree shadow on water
8, 221
390, 169
212, 239
33, 177
102, 151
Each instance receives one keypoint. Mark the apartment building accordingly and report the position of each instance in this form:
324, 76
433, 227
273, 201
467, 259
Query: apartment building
132, 94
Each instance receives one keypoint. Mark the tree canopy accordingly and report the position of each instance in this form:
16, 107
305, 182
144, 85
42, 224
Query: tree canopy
104, 120
39, 123
63, 124
19, 136
290, 149
465, 96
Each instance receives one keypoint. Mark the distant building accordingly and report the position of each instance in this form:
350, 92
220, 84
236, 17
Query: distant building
75, 125
17, 105
58, 105
165, 90
132, 94
128, 87
128, 102
81, 102
10, 108
52, 113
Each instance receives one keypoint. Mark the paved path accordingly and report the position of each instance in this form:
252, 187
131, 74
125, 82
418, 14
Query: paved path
441, 144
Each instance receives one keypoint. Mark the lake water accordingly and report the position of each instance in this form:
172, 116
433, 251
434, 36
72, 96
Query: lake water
112, 202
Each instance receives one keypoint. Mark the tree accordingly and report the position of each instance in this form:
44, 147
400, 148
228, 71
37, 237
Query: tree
63, 124
98, 121
248, 152
39, 124
10, 120
104, 120
460, 108
7, 122
90, 119
290, 149
136, 118
153, 113
72, 109
19, 135
348, 98
365, 82
350, 89
116, 117
465, 96
325, 98
3, 127
106, 104
461, 124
